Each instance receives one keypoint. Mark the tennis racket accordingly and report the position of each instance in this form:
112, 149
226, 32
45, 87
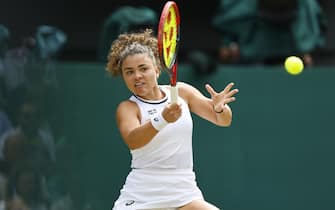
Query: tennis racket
168, 41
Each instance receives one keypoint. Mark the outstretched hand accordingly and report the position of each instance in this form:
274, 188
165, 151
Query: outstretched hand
220, 99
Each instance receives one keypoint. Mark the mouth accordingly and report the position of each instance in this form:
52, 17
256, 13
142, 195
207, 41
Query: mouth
139, 84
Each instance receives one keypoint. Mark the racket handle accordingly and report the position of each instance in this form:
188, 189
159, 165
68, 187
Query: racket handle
174, 94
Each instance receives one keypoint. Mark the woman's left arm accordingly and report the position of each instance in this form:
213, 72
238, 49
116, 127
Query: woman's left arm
214, 109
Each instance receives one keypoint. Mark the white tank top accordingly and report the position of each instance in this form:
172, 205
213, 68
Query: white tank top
171, 147
162, 170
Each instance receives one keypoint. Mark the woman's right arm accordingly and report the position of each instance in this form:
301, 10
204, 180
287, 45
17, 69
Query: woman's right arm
133, 133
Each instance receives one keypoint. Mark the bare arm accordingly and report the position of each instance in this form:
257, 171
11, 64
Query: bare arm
214, 109
133, 133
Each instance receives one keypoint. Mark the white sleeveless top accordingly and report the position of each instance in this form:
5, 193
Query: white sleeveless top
162, 170
171, 147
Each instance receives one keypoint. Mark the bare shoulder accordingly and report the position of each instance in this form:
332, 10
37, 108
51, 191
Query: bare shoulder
187, 90
186, 87
183, 87
127, 106
127, 112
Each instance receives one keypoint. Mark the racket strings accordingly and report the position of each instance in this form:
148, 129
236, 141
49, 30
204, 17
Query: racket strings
170, 36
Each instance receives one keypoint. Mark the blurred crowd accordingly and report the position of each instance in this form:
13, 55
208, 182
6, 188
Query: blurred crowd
264, 32
248, 31
36, 163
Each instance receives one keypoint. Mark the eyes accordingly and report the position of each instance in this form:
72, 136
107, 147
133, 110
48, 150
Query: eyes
131, 71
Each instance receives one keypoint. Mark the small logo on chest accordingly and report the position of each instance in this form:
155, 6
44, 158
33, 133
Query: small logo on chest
152, 111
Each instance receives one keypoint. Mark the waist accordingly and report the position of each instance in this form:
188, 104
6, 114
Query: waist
156, 177
163, 170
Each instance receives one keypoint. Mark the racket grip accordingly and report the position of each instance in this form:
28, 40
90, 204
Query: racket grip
174, 94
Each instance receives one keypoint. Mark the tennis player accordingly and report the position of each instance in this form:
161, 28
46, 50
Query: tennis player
157, 132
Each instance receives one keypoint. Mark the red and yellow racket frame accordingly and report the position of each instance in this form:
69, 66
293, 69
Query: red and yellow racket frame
168, 42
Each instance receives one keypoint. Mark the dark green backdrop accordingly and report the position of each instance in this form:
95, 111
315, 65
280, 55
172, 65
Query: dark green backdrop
278, 154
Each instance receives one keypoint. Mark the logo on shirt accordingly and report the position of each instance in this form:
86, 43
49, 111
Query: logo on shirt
131, 202
152, 111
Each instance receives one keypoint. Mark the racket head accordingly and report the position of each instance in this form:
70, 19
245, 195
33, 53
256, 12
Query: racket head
168, 38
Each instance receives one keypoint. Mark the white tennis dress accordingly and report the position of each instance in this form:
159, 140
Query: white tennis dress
162, 174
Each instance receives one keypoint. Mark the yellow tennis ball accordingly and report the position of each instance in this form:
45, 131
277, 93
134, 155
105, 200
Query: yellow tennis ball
294, 65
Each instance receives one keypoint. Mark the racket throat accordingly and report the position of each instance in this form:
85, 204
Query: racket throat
174, 94
173, 74
173, 81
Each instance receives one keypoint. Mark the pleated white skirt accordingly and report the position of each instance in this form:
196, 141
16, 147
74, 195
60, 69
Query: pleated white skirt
158, 189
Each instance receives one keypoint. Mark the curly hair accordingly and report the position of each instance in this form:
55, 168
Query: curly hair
129, 44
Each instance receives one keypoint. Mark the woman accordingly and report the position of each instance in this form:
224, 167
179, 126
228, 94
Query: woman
158, 133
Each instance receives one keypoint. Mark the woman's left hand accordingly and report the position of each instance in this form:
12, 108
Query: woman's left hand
220, 99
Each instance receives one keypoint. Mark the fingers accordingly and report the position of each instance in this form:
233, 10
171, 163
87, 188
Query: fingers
228, 87
228, 100
226, 90
210, 90
224, 97
229, 97
172, 112
231, 93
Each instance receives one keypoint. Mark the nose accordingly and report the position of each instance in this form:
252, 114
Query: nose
138, 74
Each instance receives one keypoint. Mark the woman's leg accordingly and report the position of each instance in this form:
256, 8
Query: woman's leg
199, 205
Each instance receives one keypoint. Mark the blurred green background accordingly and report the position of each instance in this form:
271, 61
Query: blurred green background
278, 153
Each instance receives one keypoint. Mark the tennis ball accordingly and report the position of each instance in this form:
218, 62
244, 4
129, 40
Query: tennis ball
294, 65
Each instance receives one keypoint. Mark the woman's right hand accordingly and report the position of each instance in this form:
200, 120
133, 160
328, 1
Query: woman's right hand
172, 112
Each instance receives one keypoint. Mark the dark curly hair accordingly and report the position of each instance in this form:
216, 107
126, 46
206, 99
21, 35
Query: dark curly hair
130, 44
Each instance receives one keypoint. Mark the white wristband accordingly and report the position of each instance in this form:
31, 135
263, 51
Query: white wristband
158, 121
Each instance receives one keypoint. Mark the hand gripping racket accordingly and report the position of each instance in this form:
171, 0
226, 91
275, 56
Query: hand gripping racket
168, 41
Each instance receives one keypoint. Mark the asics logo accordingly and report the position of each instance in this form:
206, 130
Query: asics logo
128, 203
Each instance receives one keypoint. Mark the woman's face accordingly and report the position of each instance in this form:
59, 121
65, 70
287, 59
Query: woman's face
140, 75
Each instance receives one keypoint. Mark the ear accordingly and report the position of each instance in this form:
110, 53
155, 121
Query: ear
158, 72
